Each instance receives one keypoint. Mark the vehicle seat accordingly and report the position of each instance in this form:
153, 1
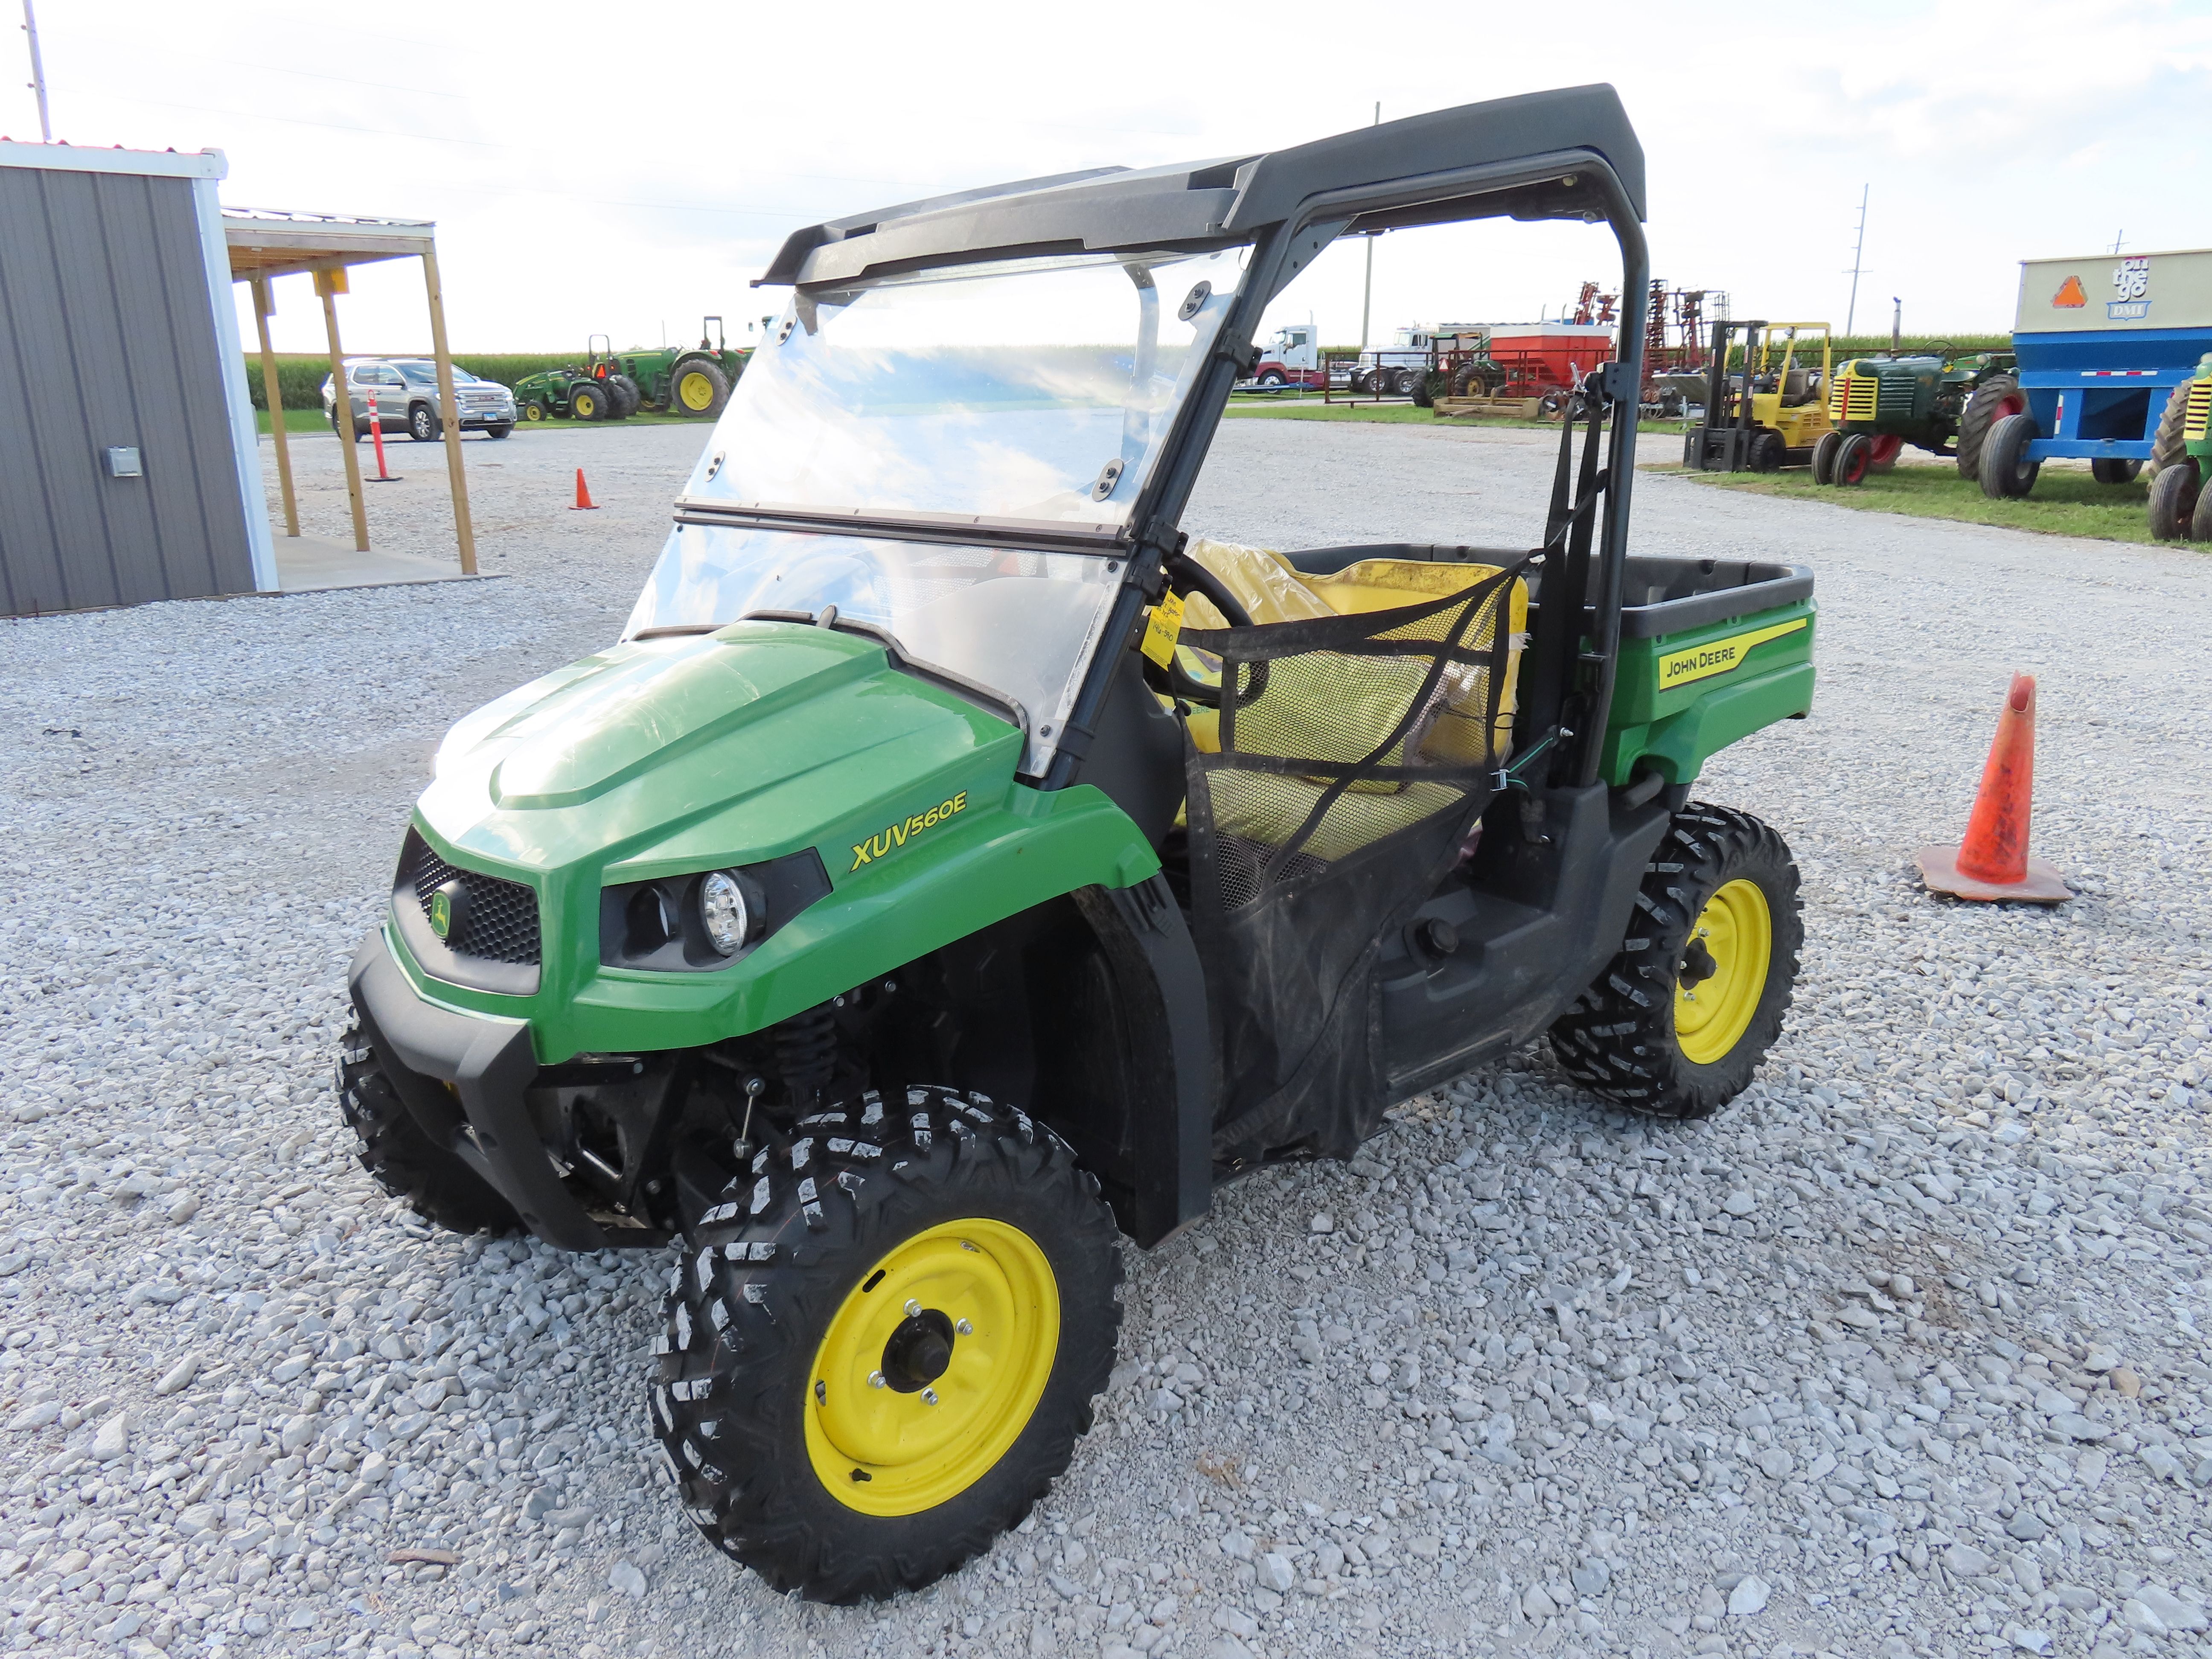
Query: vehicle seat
1800, 386
1355, 717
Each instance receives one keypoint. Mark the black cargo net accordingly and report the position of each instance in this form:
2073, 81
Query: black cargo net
1356, 754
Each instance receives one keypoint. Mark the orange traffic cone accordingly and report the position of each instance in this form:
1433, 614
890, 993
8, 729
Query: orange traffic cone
1993, 862
584, 502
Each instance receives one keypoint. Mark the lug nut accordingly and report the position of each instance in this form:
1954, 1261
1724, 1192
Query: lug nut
912, 1309
964, 1329
875, 1379
929, 1396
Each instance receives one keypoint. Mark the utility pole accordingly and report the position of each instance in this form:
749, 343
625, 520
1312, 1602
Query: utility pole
1366, 293
2116, 236
37, 74
1858, 256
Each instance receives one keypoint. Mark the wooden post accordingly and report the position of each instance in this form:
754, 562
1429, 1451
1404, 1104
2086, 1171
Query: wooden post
456, 475
274, 394
329, 284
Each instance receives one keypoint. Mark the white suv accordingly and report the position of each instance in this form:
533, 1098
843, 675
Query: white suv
406, 392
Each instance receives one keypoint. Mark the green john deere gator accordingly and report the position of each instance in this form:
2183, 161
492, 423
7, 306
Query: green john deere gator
953, 865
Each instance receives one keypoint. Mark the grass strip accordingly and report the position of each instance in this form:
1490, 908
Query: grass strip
2066, 501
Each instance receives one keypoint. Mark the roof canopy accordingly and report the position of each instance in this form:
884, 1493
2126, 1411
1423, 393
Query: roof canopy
1516, 157
264, 242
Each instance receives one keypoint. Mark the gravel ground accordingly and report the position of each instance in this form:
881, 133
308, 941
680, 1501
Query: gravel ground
1898, 1356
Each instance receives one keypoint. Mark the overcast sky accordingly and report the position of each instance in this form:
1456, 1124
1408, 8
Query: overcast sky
625, 169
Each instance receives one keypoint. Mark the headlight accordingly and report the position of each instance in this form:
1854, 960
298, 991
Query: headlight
722, 908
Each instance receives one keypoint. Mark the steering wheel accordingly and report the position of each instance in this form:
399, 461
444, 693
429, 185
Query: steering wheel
1186, 575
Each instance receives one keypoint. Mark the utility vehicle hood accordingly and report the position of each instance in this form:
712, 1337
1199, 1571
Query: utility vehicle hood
745, 744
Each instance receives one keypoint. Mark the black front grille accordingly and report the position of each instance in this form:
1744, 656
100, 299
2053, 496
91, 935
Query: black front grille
499, 922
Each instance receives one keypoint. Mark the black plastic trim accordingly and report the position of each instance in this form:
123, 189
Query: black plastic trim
489, 1062
781, 887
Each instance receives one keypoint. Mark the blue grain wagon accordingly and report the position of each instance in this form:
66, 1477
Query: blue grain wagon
2102, 342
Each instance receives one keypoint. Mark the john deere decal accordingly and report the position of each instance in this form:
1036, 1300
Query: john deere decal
877, 845
1704, 661
441, 913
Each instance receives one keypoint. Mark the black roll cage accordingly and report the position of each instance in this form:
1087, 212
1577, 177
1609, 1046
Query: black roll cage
1443, 167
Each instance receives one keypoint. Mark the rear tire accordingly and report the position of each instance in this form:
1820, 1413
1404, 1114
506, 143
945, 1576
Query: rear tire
2177, 502
1631, 1038
2114, 471
2006, 473
697, 390
1824, 457
405, 1161
625, 394
1993, 399
758, 1397
2166, 445
422, 425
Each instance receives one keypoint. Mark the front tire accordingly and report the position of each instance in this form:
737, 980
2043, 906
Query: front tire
1678, 1024
405, 1161
2006, 473
2108, 470
2175, 500
504, 429
812, 1395
422, 425
1853, 461
1824, 457
589, 401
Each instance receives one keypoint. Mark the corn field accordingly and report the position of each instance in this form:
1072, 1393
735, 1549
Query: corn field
300, 376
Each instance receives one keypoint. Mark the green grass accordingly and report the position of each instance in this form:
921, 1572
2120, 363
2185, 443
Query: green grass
2066, 502
295, 420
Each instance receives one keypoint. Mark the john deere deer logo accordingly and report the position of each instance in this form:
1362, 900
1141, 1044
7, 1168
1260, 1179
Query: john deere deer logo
2071, 295
441, 913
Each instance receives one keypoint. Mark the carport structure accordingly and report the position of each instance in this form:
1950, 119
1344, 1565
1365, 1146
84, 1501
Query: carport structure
266, 244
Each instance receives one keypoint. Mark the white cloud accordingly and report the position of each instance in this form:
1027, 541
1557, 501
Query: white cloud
622, 170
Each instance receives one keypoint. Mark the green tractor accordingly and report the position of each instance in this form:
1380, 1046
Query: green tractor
693, 381
954, 865
599, 391
1936, 401
2180, 506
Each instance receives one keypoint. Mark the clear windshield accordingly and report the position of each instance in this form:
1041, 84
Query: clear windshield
1022, 623
1036, 390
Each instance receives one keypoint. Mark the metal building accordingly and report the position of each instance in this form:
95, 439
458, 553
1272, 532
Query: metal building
128, 463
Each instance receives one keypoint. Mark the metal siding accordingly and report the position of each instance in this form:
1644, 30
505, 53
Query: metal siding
109, 338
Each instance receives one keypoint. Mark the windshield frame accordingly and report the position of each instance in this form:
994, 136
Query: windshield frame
1109, 538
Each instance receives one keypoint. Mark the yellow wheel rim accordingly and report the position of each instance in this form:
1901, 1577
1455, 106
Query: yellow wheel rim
884, 1440
1713, 1014
533, 412
586, 405
695, 391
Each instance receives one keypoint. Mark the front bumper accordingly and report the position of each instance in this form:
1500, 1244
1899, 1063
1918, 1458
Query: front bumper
464, 1077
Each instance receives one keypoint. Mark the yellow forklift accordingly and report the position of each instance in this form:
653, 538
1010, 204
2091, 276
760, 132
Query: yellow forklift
1772, 414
